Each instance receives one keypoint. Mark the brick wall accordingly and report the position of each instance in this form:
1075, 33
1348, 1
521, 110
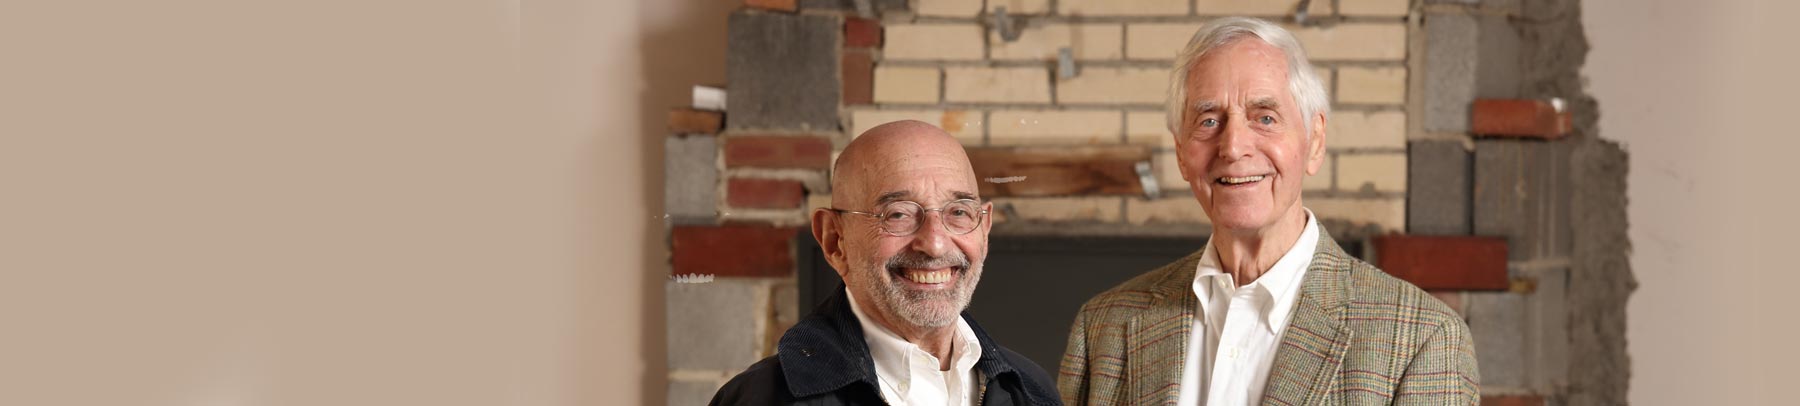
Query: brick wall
941, 65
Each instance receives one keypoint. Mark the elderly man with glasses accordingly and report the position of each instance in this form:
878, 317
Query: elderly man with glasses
908, 234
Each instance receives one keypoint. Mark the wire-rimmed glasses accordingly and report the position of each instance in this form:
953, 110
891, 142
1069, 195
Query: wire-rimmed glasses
902, 217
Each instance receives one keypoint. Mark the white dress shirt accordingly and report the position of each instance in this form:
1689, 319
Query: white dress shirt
909, 375
1237, 329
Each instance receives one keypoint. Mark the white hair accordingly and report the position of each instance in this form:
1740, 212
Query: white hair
1303, 84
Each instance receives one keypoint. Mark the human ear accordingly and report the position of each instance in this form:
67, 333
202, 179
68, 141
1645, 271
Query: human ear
1315, 146
829, 233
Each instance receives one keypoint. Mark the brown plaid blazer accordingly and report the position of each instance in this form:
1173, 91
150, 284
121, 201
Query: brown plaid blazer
1357, 336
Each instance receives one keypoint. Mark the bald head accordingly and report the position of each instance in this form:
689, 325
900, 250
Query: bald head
887, 159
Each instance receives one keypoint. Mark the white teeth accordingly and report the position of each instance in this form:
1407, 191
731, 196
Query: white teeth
929, 277
1240, 180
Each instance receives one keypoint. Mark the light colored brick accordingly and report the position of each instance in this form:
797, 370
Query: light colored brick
965, 125
1384, 172
937, 41
906, 84
997, 85
1168, 174
1114, 86
1384, 85
1148, 128
1087, 41
1101, 209
1283, 8
817, 201
1320, 181
1362, 129
1157, 41
947, 8
1123, 7
1020, 6
1388, 214
1388, 8
1023, 127
1324, 74
1354, 41
1177, 206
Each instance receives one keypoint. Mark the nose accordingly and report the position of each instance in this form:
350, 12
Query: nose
1236, 140
931, 238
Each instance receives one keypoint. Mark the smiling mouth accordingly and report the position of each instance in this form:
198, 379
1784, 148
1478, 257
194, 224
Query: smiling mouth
928, 276
1238, 180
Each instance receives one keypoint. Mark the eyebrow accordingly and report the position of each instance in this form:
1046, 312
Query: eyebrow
890, 197
1265, 102
1206, 106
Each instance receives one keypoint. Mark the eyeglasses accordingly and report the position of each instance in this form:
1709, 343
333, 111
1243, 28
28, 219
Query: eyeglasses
902, 218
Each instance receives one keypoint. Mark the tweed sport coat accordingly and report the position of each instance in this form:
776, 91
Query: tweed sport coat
1357, 337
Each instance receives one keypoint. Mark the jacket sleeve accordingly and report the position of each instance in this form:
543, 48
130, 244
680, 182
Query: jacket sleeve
1072, 376
1443, 371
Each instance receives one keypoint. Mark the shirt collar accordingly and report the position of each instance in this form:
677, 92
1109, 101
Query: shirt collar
893, 354
1281, 283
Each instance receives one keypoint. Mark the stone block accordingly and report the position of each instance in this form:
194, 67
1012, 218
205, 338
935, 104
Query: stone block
997, 85
907, 84
732, 250
1025, 127
1380, 85
691, 178
1043, 42
778, 151
1115, 86
713, 326
755, 193
782, 71
1522, 192
1497, 320
1439, 192
1123, 7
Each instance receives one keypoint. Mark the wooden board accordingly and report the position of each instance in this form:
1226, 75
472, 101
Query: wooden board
1059, 171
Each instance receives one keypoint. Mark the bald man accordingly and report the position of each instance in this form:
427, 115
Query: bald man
907, 233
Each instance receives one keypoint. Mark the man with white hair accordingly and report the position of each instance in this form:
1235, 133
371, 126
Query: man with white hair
1271, 311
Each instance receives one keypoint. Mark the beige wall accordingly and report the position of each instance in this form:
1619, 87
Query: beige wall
1701, 95
349, 202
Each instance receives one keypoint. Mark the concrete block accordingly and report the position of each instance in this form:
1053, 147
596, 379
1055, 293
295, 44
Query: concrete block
690, 178
1027, 127
997, 85
1549, 329
1115, 86
1439, 191
714, 325
1500, 72
1451, 54
1522, 192
1123, 7
933, 42
1498, 322
1042, 42
782, 71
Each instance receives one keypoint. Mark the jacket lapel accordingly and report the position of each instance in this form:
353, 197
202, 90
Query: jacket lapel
1157, 338
1312, 349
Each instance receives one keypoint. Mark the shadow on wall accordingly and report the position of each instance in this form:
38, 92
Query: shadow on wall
683, 44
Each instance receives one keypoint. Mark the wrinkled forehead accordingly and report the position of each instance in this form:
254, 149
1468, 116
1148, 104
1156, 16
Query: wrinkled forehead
1245, 66
927, 177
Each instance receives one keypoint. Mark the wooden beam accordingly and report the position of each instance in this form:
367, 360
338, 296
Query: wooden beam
1059, 171
1444, 262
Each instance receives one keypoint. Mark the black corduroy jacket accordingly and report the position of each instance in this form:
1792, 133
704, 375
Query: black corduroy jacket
824, 361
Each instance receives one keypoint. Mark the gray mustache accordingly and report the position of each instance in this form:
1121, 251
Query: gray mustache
914, 259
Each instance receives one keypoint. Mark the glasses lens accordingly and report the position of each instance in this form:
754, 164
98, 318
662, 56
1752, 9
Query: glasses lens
961, 216
900, 218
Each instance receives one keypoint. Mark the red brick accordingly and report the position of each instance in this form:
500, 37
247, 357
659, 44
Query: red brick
777, 5
751, 193
859, 77
691, 121
1444, 262
776, 151
862, 32
1519, 118
732, 250
1512, 400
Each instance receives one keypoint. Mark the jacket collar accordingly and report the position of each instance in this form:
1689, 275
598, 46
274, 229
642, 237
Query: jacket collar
826, 352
